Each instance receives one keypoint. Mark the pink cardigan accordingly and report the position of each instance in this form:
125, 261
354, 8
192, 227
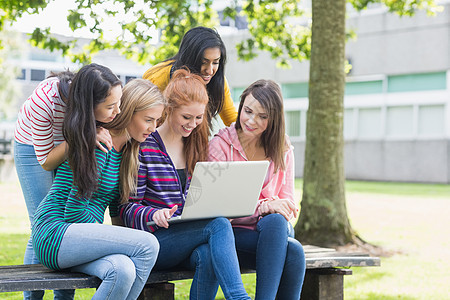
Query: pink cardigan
225, 146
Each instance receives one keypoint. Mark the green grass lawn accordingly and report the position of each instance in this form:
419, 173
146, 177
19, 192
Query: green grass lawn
409, 220
399, 189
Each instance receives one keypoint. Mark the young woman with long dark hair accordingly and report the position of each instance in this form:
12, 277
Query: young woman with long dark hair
203, 52
39, 148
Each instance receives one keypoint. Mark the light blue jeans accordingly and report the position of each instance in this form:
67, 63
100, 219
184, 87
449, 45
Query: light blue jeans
121, 257
35, 183
206, 246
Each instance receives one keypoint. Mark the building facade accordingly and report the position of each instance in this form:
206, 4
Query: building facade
397, 96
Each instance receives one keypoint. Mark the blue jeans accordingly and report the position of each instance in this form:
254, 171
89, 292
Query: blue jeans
279, 259
35, 183
121, 257
208, 247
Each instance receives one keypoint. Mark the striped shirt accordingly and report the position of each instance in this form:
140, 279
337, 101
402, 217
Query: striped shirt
158, 187
61, 207
40, 119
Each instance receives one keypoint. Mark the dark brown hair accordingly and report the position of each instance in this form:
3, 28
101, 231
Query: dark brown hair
65, 79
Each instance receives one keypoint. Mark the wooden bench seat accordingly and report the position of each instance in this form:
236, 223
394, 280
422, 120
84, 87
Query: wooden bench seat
325, 269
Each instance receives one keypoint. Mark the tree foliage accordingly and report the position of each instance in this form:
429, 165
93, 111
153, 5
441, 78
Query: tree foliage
11, 10
400, 7
269, 25
279, 27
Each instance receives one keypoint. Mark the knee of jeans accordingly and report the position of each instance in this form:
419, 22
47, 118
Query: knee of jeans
291, 231
295, 253
273, 221
149, 246
219, 224
201, 256
120, 269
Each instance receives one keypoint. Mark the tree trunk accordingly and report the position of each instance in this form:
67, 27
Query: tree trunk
323, 219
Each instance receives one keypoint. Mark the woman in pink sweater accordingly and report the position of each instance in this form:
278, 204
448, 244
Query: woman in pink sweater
265, 240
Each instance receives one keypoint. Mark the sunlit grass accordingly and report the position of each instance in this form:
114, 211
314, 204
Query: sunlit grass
392, 188
400, 189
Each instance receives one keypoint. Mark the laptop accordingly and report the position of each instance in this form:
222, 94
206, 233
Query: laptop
228, 189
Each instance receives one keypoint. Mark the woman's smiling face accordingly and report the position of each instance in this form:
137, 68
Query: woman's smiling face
184, 119
210, 64
107, 110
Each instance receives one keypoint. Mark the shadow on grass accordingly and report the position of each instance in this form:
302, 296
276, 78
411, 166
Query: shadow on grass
365, 276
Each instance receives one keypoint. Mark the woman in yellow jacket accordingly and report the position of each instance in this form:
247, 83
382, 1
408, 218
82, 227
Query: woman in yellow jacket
203, 52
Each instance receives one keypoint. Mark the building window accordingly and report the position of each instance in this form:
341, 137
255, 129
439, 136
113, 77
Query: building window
293, 123
21, 75
399, 121
44, 56
237, 92
417, 82
349, 128
364, 87
431, 121
128, 78
37, 75
239, 22
369, 123
295, 90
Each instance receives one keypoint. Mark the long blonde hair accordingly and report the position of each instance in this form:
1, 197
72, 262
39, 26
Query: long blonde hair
137, 95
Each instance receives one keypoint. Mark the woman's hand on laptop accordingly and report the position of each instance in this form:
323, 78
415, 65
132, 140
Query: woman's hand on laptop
161, 216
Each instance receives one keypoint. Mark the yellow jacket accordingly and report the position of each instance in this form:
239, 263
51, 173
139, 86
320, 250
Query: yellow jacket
160, 76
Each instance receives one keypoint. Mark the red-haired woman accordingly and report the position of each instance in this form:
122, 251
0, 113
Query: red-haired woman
167, 159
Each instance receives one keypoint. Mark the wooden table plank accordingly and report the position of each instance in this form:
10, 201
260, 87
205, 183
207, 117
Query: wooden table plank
313, 249
334, 262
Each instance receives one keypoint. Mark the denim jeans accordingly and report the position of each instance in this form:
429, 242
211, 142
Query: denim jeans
279, 259
35, 183
121, 257
208, 247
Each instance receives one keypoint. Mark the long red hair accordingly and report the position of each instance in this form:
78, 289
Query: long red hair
186, 88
